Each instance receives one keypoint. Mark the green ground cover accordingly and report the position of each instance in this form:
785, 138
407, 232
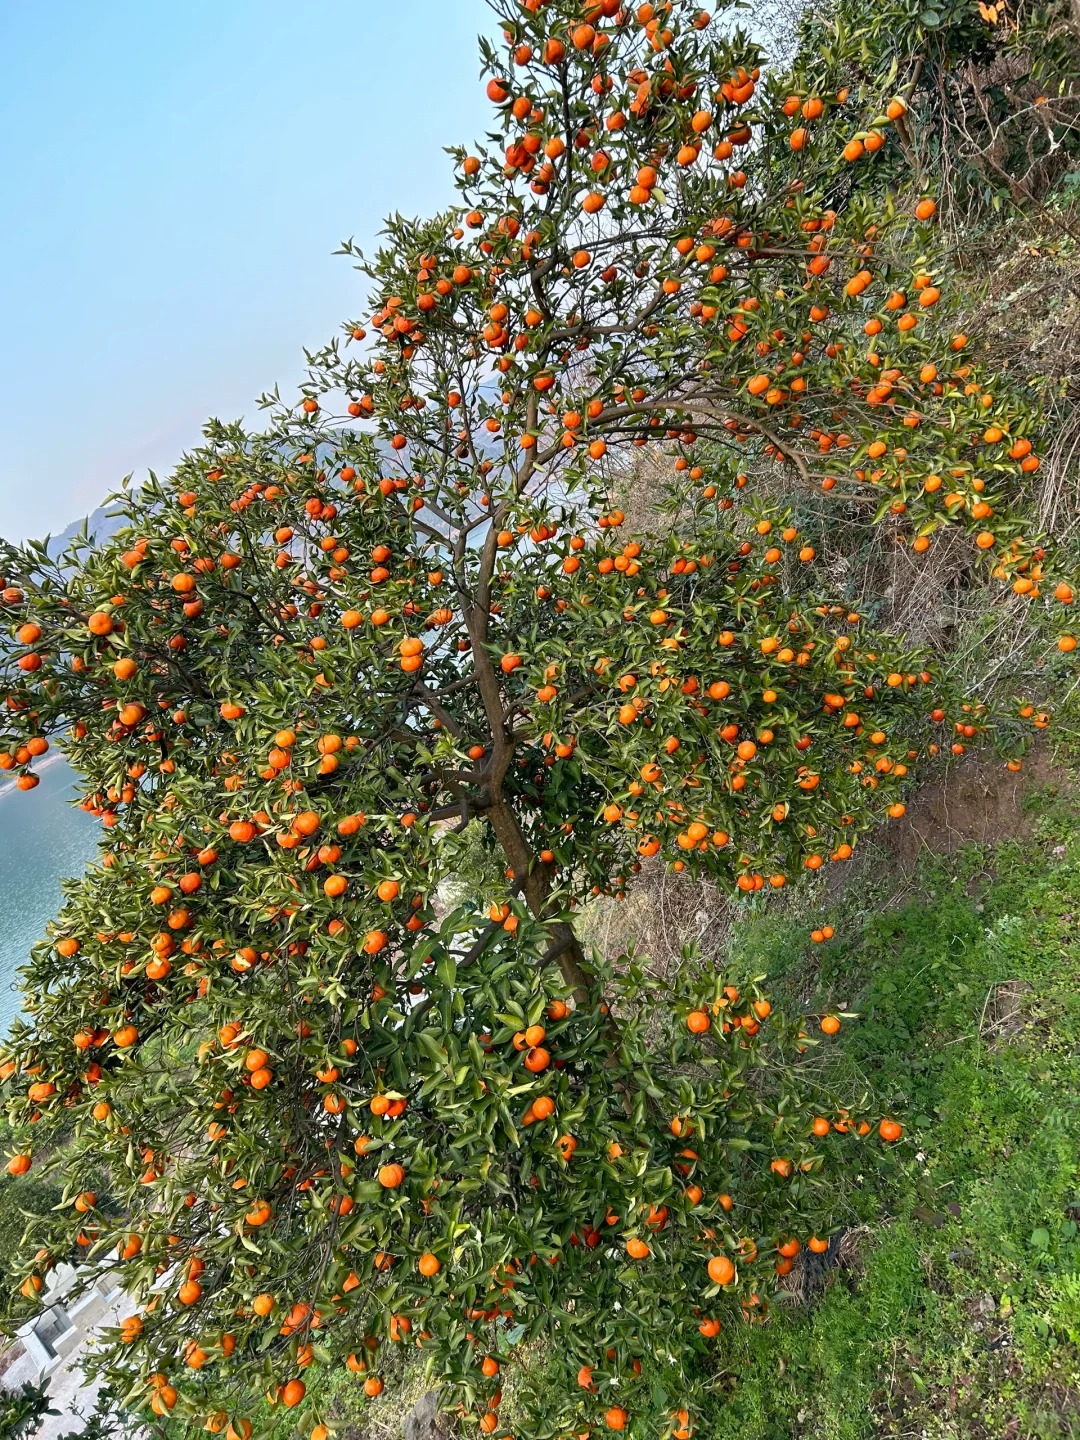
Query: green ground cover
956, 1312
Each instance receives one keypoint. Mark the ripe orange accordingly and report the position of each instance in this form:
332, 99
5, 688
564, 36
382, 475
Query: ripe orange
292, 1393
721, 1270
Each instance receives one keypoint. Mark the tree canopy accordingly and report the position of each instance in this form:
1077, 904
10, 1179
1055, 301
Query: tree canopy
311, 1108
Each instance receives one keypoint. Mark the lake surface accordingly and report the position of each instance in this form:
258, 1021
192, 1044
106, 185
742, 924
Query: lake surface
42, 841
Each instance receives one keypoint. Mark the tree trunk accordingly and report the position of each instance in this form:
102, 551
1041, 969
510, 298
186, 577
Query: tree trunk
536, 887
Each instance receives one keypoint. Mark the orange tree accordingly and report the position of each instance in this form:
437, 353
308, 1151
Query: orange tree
330, 1113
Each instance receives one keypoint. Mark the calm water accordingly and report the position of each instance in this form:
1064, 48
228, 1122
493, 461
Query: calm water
42, 841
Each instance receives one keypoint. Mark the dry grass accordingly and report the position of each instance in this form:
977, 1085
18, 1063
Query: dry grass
1004, 1013
973, 801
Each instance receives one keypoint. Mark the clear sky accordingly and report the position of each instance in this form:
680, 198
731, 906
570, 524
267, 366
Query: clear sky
176, 174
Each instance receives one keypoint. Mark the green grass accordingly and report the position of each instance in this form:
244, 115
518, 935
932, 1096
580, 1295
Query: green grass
960, 1314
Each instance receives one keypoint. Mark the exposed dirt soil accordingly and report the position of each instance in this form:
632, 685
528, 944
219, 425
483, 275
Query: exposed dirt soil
1005, 1012
977, 801
974, 800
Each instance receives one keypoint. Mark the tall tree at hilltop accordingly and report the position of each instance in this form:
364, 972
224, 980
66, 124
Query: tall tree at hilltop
311, 1114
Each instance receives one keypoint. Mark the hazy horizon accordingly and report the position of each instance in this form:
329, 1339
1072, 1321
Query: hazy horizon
177, 179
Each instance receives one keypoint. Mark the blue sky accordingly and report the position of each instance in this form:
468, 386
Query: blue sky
176, 175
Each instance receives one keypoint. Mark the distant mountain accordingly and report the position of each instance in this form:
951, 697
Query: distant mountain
100, 524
